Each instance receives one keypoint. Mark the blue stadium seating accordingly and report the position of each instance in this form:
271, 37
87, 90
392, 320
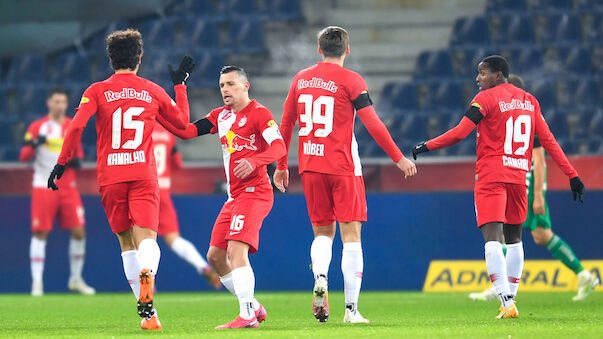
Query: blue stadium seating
594, 32
465, 60
194, 8
199, 34
524, 60
207, 69
589, 5
6, 133
32, 101
157, 34
3, 108
562, 28
27, 68
550, 5
587, 94
239, 8
576, 60
404, 97
514, 29
595, 125
447, 95
497, 6
71, 67
95, 44
545, 93
434, 64
283, 9
470, 31
245, 37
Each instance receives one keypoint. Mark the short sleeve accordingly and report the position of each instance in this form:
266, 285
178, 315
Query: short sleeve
213, 118
481, 102
266, 124
356, 86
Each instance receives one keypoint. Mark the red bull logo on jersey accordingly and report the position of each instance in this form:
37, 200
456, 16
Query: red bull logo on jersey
128, 93
317, 83
515, 104
233, 142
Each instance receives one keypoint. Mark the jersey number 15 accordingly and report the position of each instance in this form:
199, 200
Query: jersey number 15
125, 120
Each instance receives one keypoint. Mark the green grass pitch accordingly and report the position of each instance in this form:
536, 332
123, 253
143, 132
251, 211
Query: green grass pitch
392, 315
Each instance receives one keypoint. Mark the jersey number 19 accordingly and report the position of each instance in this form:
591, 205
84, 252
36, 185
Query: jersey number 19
518, 131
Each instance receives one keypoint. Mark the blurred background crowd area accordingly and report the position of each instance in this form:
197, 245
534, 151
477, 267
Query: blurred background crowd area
419, 58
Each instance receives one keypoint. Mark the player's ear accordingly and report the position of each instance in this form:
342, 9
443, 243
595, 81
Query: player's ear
319, 51
247, 85
347, 50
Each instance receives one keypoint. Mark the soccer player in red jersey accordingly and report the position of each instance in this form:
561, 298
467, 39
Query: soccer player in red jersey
43, 142
250, 140
325, 99
507, 119
168, 158
126, 108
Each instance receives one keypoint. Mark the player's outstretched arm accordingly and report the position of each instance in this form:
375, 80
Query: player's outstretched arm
191, 130
538, 167
177, 113
548, 141
454, 135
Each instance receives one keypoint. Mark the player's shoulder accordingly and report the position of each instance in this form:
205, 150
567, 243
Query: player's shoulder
38, 122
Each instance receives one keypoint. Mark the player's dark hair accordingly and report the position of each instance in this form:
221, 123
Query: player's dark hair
333, 41
124, 49
516, 81
231, 68
497, 63
57, 90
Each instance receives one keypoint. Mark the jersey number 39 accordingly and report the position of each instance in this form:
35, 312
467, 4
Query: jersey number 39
313, 115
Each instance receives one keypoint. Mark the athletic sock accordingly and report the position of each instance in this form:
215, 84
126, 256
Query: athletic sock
149, 255
320, 253
187, 251
562, 251
352, 266
504, 246
514, 266
77, 251
37, 256
497, 270
227, 282
132, 270
244, 283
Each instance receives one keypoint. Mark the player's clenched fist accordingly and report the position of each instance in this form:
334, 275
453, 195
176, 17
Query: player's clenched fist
281, 179
244, 168
407, 167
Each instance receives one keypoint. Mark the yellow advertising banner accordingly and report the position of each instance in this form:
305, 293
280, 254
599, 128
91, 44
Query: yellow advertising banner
538, 276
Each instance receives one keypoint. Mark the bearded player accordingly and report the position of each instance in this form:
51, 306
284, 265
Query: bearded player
43, 142
126, 107
325, 99
538, 221
168, 158
507, 119
250, 140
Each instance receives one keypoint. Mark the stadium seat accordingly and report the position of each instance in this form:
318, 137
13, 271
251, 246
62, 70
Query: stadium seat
32, 101
558, 124
595, 126
71, 67
158, 34
433, 64
589, 5
3, 108
413, 128
236, 8
199, 34
207, 69
404, 96
524, 60
470, 31
497, 6
95, 44
448, 95
512, 29
545, 93
567, 145
245, 36
561, 28
6, 133
576, 60
551, 5
465, 60
194, 8
593, 30
283, 9
27, 68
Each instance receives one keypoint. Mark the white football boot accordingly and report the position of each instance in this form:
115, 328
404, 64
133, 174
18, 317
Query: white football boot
489, 294
586, 283
37, 289
354, 317
78, 284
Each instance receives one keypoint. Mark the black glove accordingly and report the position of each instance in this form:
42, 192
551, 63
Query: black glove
57, 172
180, 75
40, 140
577, 188
420, 148
74, 163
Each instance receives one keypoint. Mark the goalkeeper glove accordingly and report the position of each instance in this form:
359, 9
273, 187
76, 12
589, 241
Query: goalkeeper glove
420, 148
57, 172
180, 75
577, 188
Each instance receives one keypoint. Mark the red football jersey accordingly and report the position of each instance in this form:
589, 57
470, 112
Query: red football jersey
505, 135
126, 106
242, 135
166, 155
320, 99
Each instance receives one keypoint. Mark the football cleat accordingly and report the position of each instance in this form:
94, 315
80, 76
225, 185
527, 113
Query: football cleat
508, 312
37, 289
151, 323
586, 283
489, 294
240, 323
261, 314
79, 285
354, 317
320, 302
145, 301
212, 277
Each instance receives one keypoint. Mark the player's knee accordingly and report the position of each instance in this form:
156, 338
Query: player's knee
40, 235
542, 236
215, 258
78, 233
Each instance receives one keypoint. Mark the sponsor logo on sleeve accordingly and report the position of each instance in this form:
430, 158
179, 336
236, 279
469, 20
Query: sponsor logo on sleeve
475, 104
271, 123
84, 100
